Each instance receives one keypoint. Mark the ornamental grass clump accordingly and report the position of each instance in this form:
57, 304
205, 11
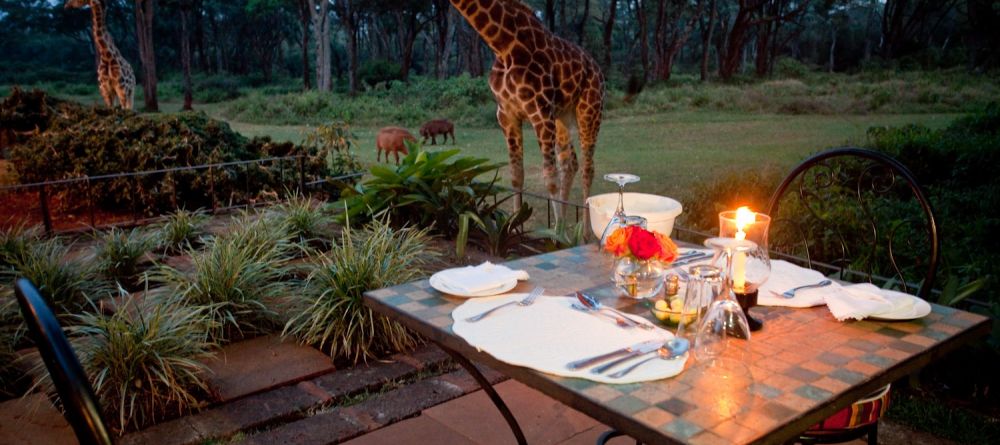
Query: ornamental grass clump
67, 283
120, 254
180, 231
305, 220
238, 280
331, 314
145, 361
15, 243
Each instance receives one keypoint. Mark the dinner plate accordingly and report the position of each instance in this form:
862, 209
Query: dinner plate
918, 309
438, 284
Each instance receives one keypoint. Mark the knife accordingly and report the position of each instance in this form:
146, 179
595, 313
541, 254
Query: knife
645, 349
629, 351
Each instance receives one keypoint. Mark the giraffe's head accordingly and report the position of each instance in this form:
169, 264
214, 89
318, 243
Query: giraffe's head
76, 4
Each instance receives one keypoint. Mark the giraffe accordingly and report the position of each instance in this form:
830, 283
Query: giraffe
115, 78
546, 80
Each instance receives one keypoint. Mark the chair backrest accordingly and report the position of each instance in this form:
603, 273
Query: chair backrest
79, 403
859, 213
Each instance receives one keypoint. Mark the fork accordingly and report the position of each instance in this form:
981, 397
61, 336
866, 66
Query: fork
527, 301
790, 293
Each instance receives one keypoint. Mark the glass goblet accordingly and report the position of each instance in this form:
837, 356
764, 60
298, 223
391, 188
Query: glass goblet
724, 332
618, 219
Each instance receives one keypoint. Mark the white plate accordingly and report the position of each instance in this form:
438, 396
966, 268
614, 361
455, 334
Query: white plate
919, 309
436, 283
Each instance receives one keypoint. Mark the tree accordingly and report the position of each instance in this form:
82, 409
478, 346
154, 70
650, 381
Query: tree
443, 25
609, 27
144, 12
904, 22
319, 13
749, 15
706, 37
675, 20
304, 42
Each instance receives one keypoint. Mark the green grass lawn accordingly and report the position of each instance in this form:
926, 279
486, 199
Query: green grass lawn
670, 151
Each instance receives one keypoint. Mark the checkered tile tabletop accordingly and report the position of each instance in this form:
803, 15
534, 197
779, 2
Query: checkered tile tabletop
804, 364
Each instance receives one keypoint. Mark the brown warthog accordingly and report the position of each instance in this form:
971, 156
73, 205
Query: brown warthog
431, 129
392, 140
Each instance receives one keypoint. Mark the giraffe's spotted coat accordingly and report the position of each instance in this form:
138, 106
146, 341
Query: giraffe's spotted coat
115, 78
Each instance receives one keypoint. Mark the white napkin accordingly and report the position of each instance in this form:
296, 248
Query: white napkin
474, 279
859, 301
785, 276
548, 334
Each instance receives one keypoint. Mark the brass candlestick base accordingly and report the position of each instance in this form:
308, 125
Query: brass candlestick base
746, 302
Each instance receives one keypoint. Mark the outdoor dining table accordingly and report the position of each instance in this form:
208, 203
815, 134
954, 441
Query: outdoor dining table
804, 365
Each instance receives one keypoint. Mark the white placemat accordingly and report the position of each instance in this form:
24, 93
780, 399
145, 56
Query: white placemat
549, 334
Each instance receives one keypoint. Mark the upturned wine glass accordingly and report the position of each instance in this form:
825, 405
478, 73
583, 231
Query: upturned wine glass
618, 219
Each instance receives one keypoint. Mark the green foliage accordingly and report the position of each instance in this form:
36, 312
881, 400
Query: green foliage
145, 360
427, 188
332, 314
305, 220
334, 143
727, 190
15, 243
180, 231
119, 254
956, 167
68, 284
562, 236
375, 72
238, 279
943, 420
498, 231
10, 335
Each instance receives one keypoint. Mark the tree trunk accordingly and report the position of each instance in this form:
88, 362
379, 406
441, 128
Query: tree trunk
706, 39
732, 60
350, 28
582, 27
319, 13
199, 36
833, 46
304, 43
144, 12
550, 14
609, 28
640, 12
185, 8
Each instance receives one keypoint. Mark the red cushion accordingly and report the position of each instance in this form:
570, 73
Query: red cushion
863, 412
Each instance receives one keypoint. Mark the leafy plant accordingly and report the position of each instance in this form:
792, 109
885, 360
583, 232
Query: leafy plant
15, 243
562, 236
10, 334
119, 254
144, 361
426, 188
334, 144
180, 230
238, 281
304, 219
68, 284
332, 315
497, 230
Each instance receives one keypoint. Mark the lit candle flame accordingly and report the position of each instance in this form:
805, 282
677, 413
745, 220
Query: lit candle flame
744, 217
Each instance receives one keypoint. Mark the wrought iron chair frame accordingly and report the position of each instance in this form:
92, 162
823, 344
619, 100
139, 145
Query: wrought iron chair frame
80, 406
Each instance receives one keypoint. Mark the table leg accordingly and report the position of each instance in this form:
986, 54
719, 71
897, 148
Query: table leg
488, 388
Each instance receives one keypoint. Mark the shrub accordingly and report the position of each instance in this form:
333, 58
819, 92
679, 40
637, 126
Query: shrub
10, 334
68, 284
119, 255
145, 360
334, 143
15, 243
332, 315
728, 190
238, 280
427, 188
497, 231
305, 220
180, 231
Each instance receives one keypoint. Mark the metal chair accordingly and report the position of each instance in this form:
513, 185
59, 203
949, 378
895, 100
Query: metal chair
823, 214
80, 406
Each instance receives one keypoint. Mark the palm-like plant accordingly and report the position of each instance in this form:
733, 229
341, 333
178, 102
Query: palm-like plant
119, 254
180, 230
332, 315
238, 279
144, 361
15, 242
68, 285
305, 220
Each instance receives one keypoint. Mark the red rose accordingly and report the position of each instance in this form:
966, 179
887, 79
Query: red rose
643, 244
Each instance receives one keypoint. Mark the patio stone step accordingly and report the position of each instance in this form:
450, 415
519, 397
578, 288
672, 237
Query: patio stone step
33, 420
340, 423
287, 403
263, 363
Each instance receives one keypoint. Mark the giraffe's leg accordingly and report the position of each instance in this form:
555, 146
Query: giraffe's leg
567, 161
545, 129
512, 132
588, 120
104, 85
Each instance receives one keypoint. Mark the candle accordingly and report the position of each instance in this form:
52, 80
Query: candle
744, 217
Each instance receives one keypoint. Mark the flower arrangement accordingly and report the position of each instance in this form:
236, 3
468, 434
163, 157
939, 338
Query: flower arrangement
641, 244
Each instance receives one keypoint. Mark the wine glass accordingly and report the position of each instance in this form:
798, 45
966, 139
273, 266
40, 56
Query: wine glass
618, 219
703, 285
741, 251
724, 332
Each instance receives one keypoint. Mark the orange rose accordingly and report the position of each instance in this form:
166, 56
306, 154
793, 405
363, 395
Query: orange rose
617, 242
668, 250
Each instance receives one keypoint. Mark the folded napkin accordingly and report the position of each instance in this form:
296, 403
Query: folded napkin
475, 279
785, 276
859, 301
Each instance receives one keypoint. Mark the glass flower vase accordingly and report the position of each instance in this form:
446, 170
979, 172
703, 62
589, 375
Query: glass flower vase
639, 279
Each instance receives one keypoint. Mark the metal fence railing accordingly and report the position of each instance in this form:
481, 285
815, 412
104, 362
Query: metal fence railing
45, 202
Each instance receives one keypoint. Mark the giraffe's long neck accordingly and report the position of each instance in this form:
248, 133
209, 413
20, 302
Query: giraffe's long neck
102, 38
497, 21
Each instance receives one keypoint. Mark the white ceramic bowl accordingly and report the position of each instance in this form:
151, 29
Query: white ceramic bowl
659, 211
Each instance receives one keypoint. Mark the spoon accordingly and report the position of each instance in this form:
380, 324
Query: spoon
619, 320
593, 304
670, 350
